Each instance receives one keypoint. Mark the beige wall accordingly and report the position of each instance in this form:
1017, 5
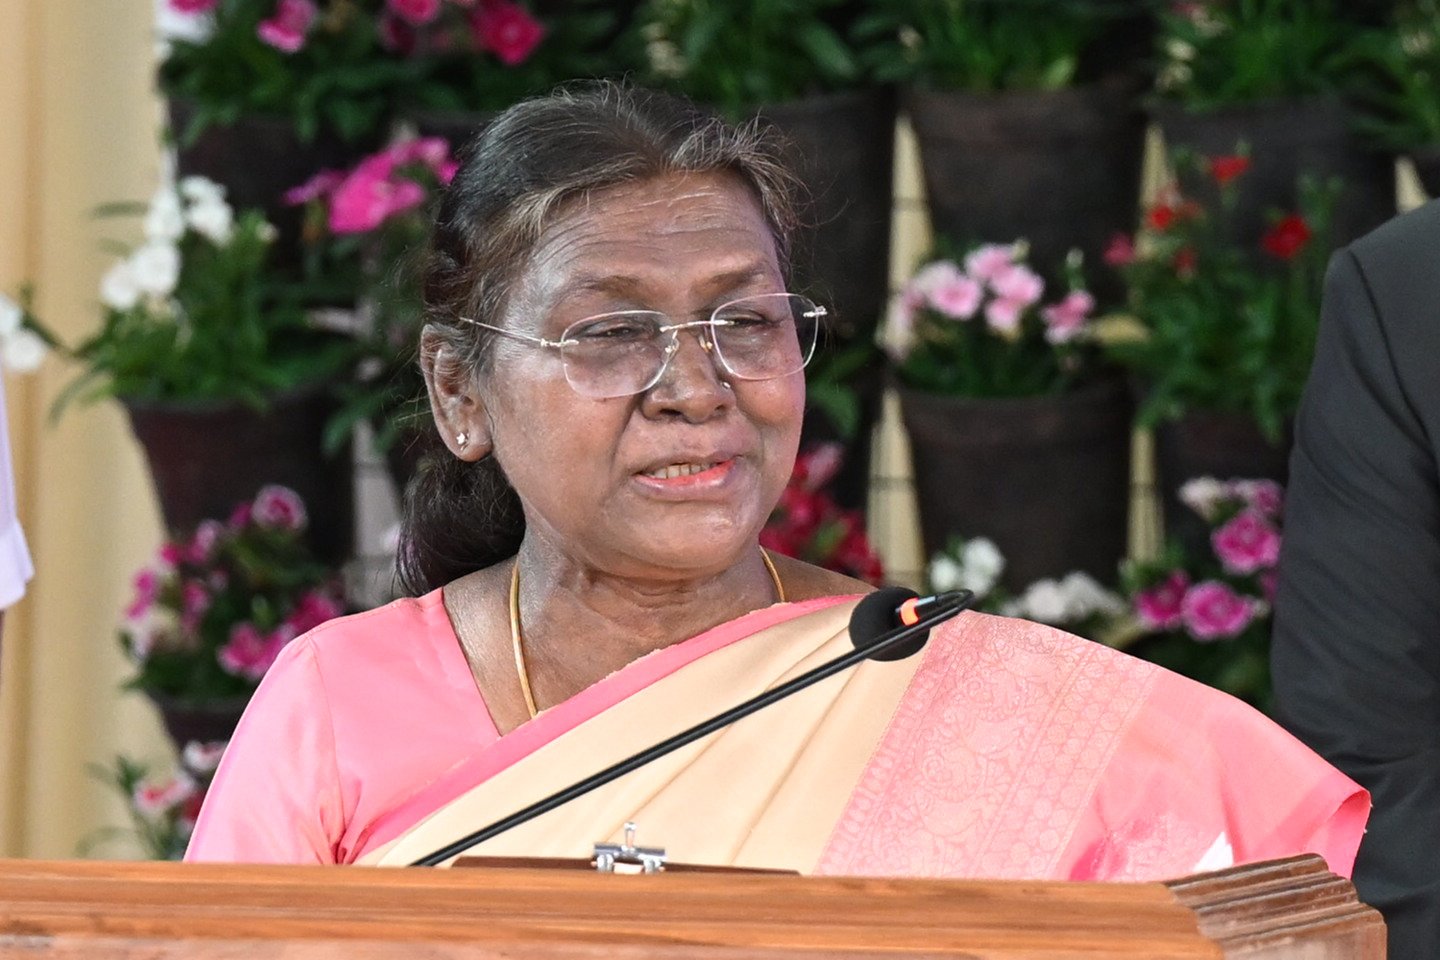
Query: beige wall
78, 122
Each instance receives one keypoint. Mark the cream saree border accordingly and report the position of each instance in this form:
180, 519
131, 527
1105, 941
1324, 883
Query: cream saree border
766, 791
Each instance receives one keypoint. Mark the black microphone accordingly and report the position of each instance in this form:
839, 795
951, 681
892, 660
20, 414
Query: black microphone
888, 624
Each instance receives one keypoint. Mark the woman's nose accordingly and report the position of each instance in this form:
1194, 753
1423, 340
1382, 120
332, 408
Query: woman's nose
693, 381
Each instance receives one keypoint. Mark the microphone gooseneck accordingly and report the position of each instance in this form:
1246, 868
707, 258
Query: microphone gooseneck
882, 624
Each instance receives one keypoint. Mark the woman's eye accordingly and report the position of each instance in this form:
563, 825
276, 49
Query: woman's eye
616, 328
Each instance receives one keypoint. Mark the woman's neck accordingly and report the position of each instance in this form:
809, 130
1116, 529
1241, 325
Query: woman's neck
578, 625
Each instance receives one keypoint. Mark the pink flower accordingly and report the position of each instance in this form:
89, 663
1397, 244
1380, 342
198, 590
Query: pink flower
1066, 318
313, 609
1159, 608
239, 517
249, 653
818, 466
431, 151
155, 800
195, 599
1269, 580
279, 508
899, 337
506, 29
1019, 283
446, 171
320, 185
1003, 315
147, 590
1266, 496
415, 11
988, 261
958, 297
193, 6
202, 544
1246, 543
172, 554
1212, 611
286, 29
370, 195
1120, 250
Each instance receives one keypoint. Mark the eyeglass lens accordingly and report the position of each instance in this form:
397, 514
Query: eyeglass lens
755, 338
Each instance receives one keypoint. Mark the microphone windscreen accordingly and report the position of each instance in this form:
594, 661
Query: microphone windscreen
876, 615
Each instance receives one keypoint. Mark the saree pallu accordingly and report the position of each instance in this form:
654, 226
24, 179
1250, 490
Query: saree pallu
1006, 749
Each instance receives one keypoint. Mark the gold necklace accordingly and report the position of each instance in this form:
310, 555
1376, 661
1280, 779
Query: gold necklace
515, 637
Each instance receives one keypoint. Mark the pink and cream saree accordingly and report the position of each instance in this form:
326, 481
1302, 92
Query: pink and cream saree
1005, 749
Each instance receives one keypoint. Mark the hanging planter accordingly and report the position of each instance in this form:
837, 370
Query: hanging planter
1045, 478
205, 458
1058, 168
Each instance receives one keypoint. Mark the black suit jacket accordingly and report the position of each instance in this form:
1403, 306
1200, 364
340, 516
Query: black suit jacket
1356, 652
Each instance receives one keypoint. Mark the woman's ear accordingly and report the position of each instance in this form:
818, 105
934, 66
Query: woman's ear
455, 401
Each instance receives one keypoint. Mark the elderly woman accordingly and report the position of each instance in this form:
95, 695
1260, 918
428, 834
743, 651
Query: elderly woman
615, 364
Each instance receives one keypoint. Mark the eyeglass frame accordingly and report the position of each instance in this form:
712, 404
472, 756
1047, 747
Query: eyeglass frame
819, 313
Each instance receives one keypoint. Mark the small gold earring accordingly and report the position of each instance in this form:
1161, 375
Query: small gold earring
462, 439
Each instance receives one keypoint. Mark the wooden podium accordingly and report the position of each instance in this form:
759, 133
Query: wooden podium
163, 911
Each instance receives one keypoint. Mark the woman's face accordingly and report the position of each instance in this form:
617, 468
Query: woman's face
678, 480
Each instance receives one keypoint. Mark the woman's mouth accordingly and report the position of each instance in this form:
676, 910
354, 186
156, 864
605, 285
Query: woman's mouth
675, 470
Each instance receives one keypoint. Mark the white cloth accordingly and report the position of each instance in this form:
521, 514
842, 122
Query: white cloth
16, 568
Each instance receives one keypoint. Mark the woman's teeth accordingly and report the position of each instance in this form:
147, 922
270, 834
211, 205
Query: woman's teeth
679, 470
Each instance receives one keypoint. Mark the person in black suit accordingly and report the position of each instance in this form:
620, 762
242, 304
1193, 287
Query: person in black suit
1356, 654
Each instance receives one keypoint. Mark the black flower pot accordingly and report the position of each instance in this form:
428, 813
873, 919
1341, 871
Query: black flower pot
206, 722
1223, 444
1286, 138
207, 458
843, 149
1060, 169
1046, 478
257, 159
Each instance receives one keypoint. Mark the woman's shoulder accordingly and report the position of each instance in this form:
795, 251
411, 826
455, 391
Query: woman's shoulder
411, 622
805, 581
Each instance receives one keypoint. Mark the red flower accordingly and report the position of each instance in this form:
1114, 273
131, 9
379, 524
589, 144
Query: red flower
1185, 262
506, 29
1287, 237
1161, 217
1225, 169
416, 11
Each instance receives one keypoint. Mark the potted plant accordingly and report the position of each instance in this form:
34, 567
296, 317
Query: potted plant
1023, 130
369, 225
163, 807
795, 66
1225, 332
265, 92
226, 380
217, 606
1019, 430
1276, 78
1205, 612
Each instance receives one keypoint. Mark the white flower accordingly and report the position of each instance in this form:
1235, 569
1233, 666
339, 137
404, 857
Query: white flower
982, 564
1044, 601
11, 316
202, 758
1085, 597
1203, 494
267, 232
199, 189
22, 350
1180, 50
156, 266
945, 573
212, 219
118, 288
164, 221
